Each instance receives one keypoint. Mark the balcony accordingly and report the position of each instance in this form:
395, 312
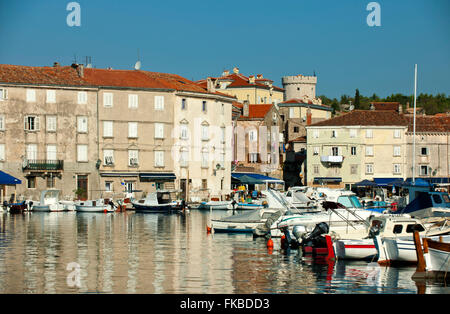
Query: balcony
43, 165
332, 159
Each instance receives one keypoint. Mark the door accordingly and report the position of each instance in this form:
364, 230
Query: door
82, 187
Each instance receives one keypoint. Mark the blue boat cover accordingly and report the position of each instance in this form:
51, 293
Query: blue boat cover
7, 179
257, 176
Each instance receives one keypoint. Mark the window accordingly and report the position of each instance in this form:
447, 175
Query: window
133, 101
82, 153
423, 170
369, 168
184, 131
334, 151
51, 123
51, 96
2, 152
133, 158
159, 102
205, 158
159, 158
333, 133
352, 133
424, 151
204, 184
31, 182
31, 123
3, 94
50, 181
2, 123
31, 95
369, 150
291, 113
31, 152
108, 130
252, 135
108, 157
296, 129
108, 100
397, 229
205, 132
183, 104
108, 186
397, 151
222, 134
397, 169
315, 150
437, 199
159, 130
316, 169
82, 98
132, 129
204, 107
414, 227
51, 152
253, 158
353, 150
397, 134
316, 134
82, 126
369, 133
353, 169
184, 155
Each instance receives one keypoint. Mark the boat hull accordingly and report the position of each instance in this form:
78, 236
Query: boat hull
355, 249
152, 208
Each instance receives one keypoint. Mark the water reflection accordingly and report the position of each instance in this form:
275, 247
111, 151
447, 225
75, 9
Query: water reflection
157, 253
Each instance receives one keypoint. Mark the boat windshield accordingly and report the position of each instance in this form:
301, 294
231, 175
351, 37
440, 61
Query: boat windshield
349, 201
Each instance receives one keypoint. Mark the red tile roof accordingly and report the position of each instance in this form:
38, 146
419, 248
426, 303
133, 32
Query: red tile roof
239, 80
385, 105
436, 123
68, 76
257, 111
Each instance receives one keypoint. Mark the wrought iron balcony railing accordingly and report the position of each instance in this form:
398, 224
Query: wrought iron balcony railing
44, 165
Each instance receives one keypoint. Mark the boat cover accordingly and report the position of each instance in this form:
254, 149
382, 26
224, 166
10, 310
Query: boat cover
248, 216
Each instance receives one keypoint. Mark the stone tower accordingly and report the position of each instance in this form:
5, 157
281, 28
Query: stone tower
299, 86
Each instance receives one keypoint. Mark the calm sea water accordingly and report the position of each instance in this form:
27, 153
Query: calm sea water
131, 253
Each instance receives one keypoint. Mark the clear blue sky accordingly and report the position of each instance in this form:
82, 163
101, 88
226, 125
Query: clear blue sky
200, 38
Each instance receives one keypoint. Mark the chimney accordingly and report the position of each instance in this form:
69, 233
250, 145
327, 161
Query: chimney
407, 106
236, 70
56, 64
210, 85
308, 116
79, 68
225, 73
400, 108
259, 76
251, 79
246, 109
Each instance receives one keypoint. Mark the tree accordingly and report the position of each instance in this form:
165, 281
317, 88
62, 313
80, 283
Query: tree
357, 102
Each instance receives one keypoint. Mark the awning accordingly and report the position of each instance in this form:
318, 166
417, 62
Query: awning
7, 179
157, 176
384, 182
319, 180
256, 177
366, 183
119, 174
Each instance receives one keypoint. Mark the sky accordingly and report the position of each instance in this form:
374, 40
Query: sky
201, 38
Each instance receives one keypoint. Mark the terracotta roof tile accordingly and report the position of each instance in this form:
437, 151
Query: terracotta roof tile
257, 111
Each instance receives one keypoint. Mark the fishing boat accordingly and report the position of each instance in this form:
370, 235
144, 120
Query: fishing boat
49, 202
433, 258
95, 206
154, 202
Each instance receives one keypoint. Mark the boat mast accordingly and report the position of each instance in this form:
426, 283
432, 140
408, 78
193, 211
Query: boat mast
414, 127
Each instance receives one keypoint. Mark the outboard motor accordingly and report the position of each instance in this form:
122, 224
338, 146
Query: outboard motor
315, 237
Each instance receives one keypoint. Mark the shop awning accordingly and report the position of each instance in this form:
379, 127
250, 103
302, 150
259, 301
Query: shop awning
384, 182
6, 179
158, 176
256, 177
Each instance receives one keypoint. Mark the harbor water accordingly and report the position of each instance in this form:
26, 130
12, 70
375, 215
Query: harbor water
131, 253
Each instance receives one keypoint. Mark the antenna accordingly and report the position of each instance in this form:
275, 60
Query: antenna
138, 64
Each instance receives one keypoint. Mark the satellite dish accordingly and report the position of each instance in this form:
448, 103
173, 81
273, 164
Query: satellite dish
351, 107
137, 66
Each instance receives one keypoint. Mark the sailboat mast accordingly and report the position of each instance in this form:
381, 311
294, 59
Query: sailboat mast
414, 126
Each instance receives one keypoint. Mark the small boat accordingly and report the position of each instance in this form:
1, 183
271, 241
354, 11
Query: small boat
155, 202
429, 204
49, 202
245, 222
298, 198
94, 206
216, 205
433, 258
253, 205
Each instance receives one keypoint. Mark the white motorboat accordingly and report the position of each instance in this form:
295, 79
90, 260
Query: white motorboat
298, 198
49, 202
216, 205
155, 202
94, 206
245, 222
